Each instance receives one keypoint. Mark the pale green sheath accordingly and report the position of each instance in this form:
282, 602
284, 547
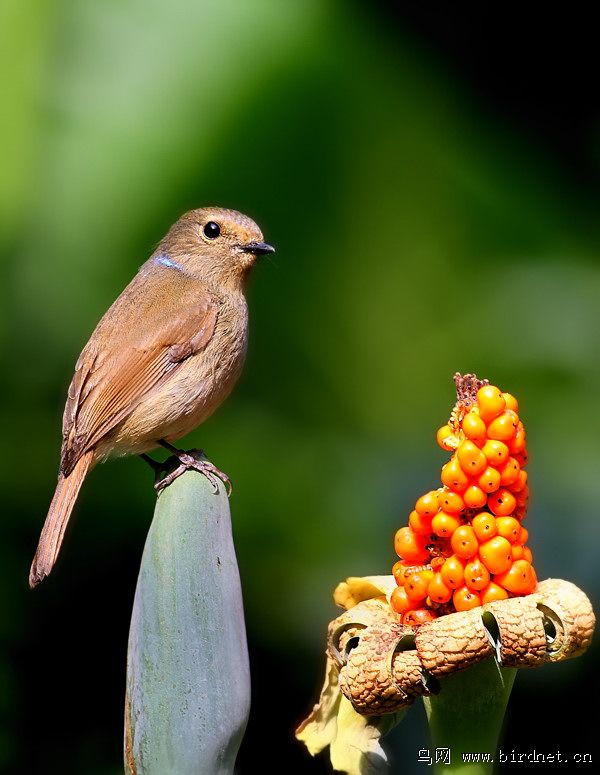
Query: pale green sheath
188, 678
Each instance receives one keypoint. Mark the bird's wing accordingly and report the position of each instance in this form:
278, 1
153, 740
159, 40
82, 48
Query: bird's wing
141, 341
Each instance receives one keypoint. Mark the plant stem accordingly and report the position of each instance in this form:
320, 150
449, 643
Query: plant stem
466, 716
188, 680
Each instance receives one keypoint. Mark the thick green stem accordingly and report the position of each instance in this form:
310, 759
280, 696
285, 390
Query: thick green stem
466, 717
188, 680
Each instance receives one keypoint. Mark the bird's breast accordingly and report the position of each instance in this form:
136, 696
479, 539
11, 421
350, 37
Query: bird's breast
193, 391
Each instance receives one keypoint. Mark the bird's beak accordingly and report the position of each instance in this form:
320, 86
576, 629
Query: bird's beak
258, 248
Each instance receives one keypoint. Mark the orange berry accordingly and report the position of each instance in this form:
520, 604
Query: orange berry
409, 569
474, 428
523, 535
427, 504
527, 554
444, 524
452, 572
472, 460
510, 473
453, 476
398, 573
511, 402
450, 502
465, 599
410, 546
522, 458
520, 578
464, 542
484, 526
522, 497
438, 590
446, 438
493, 592
416, 584
419, 523
496, 554
502, 503
418, 616
489, 481
474, 497
400, 601
436, 563
490, 402
521, 482
517, 552
477, 575
504, 427
496, 452
521, 509
518, 441
509, 528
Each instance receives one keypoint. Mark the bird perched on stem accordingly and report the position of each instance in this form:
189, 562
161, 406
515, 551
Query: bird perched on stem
161, 360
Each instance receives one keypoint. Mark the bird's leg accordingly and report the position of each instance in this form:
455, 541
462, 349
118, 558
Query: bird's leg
193, 459
158, 467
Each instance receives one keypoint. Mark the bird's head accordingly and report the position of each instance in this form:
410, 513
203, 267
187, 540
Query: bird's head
215, 244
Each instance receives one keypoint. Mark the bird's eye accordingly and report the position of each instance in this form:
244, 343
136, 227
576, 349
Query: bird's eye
212, 230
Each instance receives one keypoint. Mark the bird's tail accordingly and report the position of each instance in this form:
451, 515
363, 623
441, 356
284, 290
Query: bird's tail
56, 522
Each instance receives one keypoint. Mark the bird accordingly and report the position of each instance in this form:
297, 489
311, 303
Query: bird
160, 361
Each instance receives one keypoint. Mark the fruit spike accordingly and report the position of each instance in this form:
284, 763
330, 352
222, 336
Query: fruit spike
464, 544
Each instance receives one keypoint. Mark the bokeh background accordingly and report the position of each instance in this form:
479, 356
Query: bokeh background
430, 178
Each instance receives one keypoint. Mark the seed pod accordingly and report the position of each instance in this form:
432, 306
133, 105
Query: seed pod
453, 642
516, 630
377, 678
349, 624
568, 618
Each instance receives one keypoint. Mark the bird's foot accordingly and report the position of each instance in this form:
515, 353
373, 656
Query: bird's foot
194, 460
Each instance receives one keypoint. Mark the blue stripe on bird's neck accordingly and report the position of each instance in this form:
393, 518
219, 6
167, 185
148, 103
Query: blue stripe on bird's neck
167, 261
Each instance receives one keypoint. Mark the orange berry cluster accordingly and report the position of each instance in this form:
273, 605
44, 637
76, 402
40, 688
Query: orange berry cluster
464, 544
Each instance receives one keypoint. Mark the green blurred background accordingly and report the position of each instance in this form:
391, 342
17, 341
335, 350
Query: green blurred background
430, 180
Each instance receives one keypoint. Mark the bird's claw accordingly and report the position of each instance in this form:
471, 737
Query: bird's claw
193, 460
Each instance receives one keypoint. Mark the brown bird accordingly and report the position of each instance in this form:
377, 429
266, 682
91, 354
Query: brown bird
161, 360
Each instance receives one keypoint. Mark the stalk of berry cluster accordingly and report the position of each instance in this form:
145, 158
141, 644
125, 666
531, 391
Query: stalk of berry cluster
465, 718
